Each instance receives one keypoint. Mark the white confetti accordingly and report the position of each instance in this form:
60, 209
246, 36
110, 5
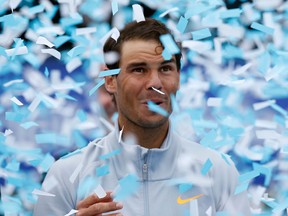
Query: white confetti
7, 84
42, 193
85, 31
72, 211
157, 90
73, 64
214, 102
76, 173
138, 13
16, 101
168, 11
44, 41
52, 52
262, 105
120, 134
20, 51
100, 192
8, 132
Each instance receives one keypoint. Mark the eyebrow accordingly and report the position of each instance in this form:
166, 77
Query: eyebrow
139, 64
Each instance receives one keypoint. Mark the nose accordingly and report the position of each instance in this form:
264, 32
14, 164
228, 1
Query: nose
153, 80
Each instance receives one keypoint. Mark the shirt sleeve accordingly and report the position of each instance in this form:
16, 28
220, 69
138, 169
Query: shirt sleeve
57, 183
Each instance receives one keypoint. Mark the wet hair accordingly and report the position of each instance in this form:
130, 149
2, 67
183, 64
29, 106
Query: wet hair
150, 29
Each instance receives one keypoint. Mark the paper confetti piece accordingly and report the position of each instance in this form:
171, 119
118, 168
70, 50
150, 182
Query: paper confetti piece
29, 124
115, 34
102, 170
169, 43
127, 186
262, 28
209, 211
248, 176
201, 34
76, 51
240, 188
36, 9
59, 41
44, 41
100, 192
120, 134
71, 212
175, 105
46, 163
111, 154
197, 46
114, 5
181, 25
42, 193
157, 109
109, 72
265, 124
206, 167
194, 207
168, 11
73, 64
85, 31
281, 207
7, 84
262, 105
50, 30
138, 14
75, 173
214, 102
160, 92
279, 109
14, 4
16, 101
52, 52
185, 187
20, 51
94, 89
232, 13
8, 132
267, 134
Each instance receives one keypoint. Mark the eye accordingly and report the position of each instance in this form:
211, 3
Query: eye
138, 70
166, 68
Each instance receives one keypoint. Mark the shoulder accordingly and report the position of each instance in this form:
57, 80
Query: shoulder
205, 155
68, 163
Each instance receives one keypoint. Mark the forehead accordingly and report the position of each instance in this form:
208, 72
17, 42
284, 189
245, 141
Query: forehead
141, 49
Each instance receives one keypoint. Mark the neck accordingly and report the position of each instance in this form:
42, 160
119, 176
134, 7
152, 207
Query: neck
146, 137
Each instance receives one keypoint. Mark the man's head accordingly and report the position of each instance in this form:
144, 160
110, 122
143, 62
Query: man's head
150, 29
144, 76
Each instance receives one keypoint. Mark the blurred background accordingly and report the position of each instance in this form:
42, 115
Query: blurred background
233, 95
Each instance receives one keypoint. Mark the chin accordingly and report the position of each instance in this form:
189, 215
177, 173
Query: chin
153, 123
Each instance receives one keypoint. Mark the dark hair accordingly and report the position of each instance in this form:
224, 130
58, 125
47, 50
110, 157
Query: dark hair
150, 29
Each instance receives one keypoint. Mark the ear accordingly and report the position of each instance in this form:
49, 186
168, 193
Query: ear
178, 86
111, 84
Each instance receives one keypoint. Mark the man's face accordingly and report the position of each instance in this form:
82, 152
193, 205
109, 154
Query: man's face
143, 67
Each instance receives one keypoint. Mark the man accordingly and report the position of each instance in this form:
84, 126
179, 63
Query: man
143, 166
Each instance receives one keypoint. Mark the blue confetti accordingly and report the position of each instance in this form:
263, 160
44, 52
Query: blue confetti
109, 72
128, 185
201, 34
94, 89
182, 24
169, 44
114, 4
206, 167
262, 28
157, 109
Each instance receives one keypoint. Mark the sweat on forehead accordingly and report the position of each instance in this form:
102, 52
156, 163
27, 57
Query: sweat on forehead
150, 29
